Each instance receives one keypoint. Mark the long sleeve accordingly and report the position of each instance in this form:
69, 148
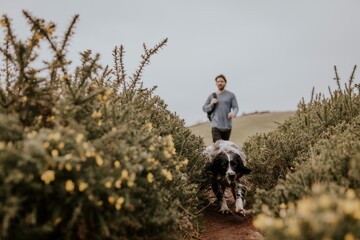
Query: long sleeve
234, 105
207, 105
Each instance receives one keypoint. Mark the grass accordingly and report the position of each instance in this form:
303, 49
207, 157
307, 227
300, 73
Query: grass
244, 126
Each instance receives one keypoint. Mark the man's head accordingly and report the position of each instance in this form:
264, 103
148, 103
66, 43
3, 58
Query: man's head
220, 82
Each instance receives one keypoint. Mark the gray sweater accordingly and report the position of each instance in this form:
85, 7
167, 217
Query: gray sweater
227, 102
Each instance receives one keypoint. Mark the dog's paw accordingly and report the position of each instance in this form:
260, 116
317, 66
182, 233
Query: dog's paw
225, 211
243, 212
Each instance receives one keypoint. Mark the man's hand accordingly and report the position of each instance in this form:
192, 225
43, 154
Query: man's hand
214, 101
231, 115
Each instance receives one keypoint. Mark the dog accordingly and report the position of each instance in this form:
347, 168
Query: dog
226, 168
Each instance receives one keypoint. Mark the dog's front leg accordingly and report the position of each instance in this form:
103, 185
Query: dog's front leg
219, 191
238, 191
224, 209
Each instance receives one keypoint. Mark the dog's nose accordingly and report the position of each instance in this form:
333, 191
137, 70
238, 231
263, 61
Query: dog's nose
232, 176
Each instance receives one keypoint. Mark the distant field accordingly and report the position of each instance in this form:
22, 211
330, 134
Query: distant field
245, 126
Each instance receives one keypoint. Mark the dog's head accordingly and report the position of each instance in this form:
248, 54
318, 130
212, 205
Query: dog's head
226, 161
228, 167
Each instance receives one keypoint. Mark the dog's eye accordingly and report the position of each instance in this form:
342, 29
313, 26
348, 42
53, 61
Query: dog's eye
232, 163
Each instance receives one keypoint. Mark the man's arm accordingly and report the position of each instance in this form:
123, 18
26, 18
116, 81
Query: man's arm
208, 105
234, 106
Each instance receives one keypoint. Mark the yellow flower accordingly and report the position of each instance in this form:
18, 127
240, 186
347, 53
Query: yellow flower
99, 160
117, 164
167, 155
108, 184
350, 194
50, 118
278, 224
69, 186
293, 229
118, 183
107, 92
349, 236
39, 119
79, 137
263, 222
148, 127
305, 207
46, 145
349, 206
167, 174
78, 167
86, 145
24, 98
48, 176
3, 22
54, 153
90, 153
111, 199
119, 203
185, 162
330, 218
57, 221
124, 174
68, 156
99, 123
2, 145
68, 166
83, 186
150, 177
324, 201
54, 136
151, 148
150, 160
32, 134
113, 129
61, 145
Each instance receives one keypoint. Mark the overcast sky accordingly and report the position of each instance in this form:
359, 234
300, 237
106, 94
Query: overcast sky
273, 52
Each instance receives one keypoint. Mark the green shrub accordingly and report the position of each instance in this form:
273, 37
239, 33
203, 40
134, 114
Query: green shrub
326, 213
91, 154
305, 177
273, 155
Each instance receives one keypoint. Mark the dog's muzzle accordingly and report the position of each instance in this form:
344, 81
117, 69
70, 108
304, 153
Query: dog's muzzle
231, 177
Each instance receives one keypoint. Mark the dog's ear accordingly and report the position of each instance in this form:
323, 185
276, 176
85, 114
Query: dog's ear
244, 170
240, 165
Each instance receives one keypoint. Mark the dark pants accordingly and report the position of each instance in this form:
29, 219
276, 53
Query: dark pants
223, 134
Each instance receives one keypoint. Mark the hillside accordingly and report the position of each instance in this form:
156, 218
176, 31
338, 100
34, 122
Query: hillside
245, 126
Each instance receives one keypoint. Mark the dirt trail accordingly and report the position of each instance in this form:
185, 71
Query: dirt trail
227, 227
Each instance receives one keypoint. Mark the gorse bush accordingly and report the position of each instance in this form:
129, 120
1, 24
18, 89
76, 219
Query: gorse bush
326, 213
275, 154
319, 146
90, 154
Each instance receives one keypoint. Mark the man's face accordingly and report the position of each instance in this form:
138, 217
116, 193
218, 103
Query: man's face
220, 83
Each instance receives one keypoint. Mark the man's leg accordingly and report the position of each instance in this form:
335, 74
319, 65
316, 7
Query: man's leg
225, 135
216, 134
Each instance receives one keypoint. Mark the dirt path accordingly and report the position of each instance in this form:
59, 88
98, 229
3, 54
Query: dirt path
227, 227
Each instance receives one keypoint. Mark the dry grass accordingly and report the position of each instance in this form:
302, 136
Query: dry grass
245, 126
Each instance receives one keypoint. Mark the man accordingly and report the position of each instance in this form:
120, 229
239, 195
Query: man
225, 109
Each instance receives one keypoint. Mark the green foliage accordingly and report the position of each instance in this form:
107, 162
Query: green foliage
275, 154
319, 146
326, 213
91, 154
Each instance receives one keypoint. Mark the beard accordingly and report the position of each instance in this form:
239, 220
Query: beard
221, 87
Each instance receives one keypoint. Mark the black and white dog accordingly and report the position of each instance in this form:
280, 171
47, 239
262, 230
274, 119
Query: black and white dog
226, 167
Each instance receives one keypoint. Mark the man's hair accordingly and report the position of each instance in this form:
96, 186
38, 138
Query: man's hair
221, 76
